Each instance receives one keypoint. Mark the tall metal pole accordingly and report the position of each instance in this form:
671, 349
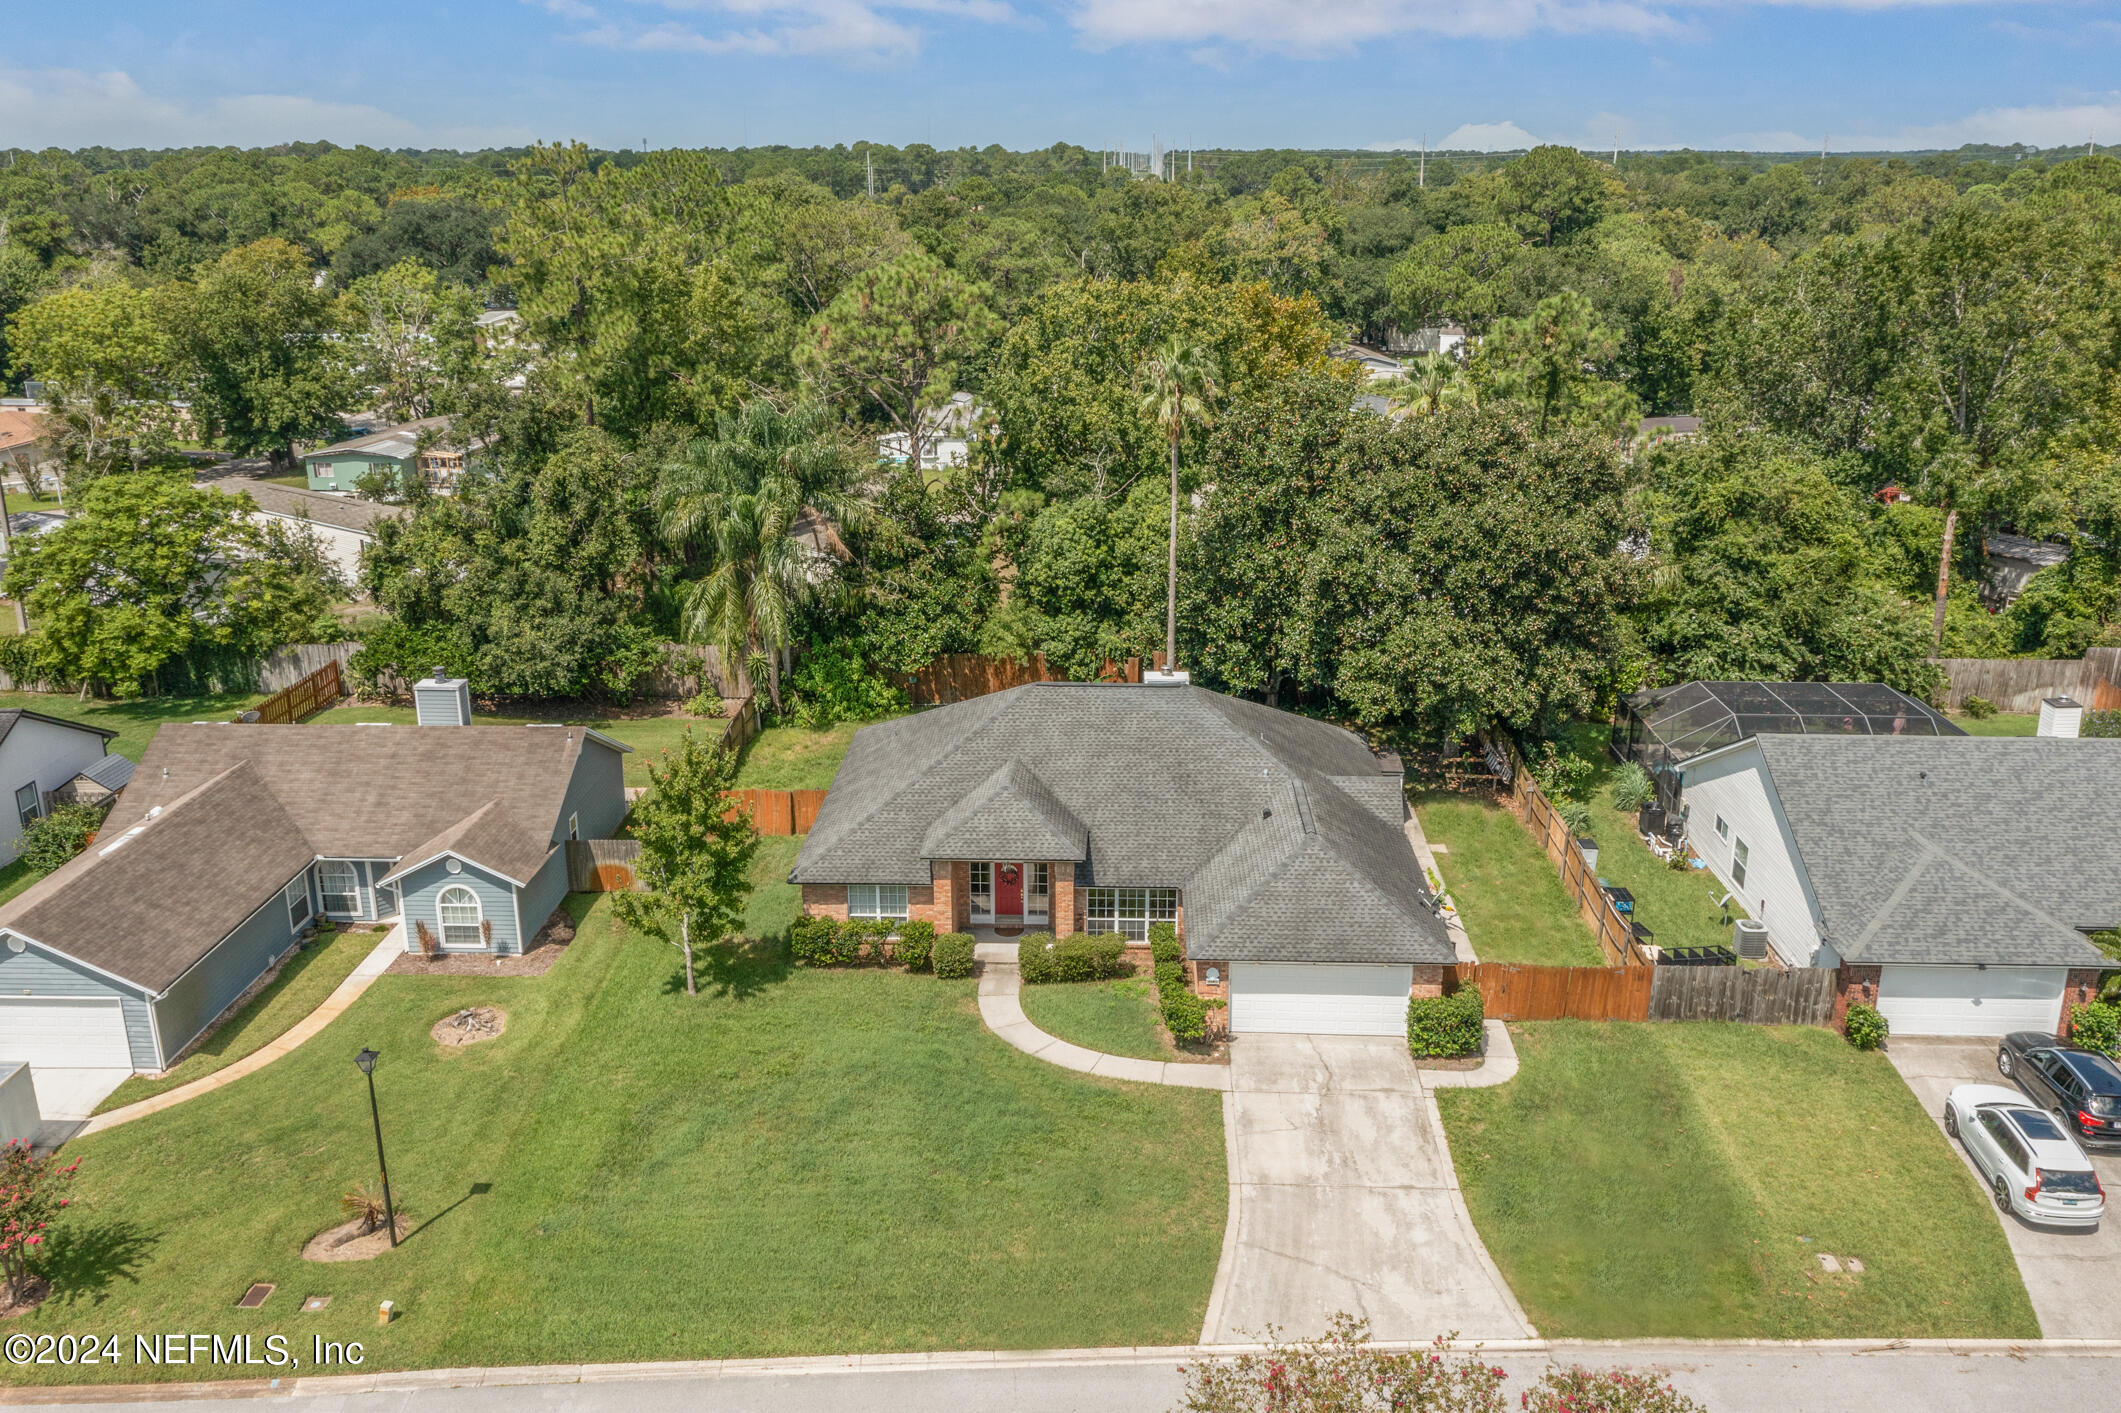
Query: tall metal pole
390, 1213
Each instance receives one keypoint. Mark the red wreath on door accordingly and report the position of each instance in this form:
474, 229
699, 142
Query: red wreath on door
1009, 873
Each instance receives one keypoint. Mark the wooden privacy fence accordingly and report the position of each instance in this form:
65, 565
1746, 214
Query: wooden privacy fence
2019, 684
303, 700
1560, 993
1803, 996
601, 865
1616, 938
959, 677
286, 666
779, 811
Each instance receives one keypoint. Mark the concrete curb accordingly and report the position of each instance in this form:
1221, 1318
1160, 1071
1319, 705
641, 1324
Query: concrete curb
328, 1010
340, 1385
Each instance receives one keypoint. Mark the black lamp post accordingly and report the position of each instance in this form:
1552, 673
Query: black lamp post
367, 1061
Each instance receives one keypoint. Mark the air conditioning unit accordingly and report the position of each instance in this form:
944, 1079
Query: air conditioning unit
1749, 939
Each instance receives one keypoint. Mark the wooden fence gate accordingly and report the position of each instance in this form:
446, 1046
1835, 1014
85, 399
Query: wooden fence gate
1510, 992
1802, 996
779, 811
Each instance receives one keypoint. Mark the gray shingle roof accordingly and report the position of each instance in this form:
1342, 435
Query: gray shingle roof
1252, 812
1956, 850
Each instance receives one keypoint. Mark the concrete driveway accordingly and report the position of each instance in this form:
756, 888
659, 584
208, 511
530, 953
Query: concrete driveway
2071, 1275
1343, 1198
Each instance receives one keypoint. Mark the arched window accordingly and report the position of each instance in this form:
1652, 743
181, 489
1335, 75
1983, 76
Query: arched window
458, 912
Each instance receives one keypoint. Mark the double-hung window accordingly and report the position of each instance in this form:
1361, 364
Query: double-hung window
982, 889
297, 896
1739, 854
1038, 889
339, 887
29, 804
876, 900
1129, 911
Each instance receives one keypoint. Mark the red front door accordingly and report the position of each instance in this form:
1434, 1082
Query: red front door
1008, 890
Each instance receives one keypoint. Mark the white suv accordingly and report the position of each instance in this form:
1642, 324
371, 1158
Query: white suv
2033, 1166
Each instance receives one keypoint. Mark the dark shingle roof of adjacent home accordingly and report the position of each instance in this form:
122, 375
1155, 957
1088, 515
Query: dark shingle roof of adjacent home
217, 815
1956, 849
1285, 833
339, 512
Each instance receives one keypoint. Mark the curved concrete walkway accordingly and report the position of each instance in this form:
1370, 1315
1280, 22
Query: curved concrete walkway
1001, 1006
343, 995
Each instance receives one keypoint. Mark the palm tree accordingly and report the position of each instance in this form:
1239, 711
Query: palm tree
735, 500
1436, 381
1178, 385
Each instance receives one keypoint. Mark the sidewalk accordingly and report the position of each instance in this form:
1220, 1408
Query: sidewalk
342, 996
1001, 1007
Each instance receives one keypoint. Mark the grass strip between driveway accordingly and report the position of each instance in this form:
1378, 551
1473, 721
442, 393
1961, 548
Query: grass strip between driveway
795, 1162
1683, 1179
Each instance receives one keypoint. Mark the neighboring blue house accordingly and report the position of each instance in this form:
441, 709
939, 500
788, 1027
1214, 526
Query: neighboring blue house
231, 839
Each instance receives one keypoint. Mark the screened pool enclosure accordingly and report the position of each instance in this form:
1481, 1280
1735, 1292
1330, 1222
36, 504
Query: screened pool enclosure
1661, 728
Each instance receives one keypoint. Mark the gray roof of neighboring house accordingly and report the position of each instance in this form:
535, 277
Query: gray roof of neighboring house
1278, 828
397, 443
340, 512
112, 772
1956, 849
227, 813
12, 717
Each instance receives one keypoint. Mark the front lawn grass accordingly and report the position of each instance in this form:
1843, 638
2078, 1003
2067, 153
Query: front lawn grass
793, 758
797, 1161
300, 988
16, 877
1509, 897
775, 903
1682, 1179
1678, 906
1117, 1017
135, 721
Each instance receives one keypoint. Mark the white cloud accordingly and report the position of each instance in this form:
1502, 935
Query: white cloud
1467, 137
2056, 125
73, 108
851, 29
1312, 27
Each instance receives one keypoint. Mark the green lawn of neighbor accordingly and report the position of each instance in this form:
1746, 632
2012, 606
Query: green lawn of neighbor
135, 721
2003, 723
300, 988
14, 878
794, 1162
1117, 1017
775, 903
792, 758
1682, 1179
1509, 896
1679, 907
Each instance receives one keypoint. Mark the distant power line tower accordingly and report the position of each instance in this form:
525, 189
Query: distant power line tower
1157, 164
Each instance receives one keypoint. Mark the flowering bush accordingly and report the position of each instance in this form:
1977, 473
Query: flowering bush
1579, 1390
29, 1202
1340, 1372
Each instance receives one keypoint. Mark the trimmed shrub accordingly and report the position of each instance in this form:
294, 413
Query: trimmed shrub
865, 939
1089, 958
1979, 708
1575, 817
2105, 725
952, 957
1865, 1028
916, 944
815, 941
1632, 788
1185, 1014
1035, 958
1163, 942
1445, 1025
2095, 1027
1170, 976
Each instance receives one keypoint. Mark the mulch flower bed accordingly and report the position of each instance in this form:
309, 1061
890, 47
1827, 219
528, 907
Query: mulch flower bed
545, 949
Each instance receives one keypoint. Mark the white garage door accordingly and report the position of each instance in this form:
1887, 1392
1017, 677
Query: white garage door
58, 1033
1970, 1000
1319, 998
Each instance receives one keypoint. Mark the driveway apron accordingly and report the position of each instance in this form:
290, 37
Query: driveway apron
1345, 1199
2073, 1277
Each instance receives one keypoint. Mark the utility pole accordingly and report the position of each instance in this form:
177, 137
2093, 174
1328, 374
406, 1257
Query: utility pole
1421, 177
869, 166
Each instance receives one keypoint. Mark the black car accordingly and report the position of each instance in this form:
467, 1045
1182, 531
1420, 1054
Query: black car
2084, 1087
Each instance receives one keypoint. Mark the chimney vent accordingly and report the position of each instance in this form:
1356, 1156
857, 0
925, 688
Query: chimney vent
2060, 716
442, 701
1166, 677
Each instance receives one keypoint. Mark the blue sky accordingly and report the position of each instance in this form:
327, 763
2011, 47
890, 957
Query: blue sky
1774, 74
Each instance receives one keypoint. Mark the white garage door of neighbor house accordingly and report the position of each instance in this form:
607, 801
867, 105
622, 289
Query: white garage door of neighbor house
1318, 998
1970, 1000
55, 1033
